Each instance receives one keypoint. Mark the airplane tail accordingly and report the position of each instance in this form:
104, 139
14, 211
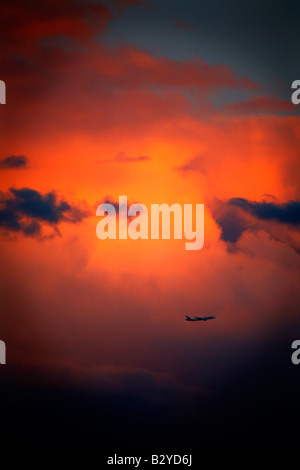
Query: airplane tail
187, 318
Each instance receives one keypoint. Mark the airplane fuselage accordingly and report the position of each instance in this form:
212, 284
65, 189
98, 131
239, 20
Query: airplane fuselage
199, 318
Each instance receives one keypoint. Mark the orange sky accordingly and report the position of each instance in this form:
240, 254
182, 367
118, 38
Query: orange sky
118, 303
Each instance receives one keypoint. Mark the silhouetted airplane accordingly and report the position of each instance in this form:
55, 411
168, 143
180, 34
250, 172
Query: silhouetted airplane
199, 318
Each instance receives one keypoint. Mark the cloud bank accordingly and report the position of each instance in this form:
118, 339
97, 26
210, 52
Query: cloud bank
26, 211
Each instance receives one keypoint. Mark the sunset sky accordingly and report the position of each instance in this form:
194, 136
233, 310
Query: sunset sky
161, 101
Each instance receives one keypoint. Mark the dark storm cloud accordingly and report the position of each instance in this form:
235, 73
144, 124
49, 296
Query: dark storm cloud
231, 223
238, 215
287, 213
26, 210
13, 162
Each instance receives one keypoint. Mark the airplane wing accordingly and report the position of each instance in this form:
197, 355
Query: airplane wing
198, 318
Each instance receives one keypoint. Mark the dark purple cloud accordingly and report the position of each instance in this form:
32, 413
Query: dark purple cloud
237, 215
14, 162
286, 213
26, 210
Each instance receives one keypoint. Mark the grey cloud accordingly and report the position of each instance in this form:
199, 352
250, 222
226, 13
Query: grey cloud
14, 162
